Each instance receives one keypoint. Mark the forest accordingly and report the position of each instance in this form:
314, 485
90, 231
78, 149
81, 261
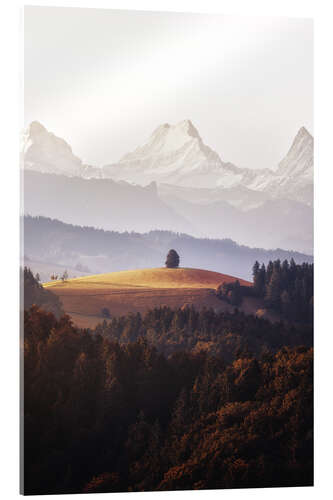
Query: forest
224, 335
174, 399
34, 293
287, 288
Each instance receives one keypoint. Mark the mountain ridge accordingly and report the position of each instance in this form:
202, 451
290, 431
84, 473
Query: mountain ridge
176, 155
68, 245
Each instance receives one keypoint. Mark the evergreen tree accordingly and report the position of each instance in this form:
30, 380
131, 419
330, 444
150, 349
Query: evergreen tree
273, 290
255, 275
255, 270
286, 305
269, 272
259, 279
236, 294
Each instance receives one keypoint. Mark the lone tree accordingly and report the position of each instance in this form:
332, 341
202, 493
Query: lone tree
172, 259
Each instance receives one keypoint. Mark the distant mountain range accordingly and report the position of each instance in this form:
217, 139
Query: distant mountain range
102, 203
176, 155
52, 246
174, 182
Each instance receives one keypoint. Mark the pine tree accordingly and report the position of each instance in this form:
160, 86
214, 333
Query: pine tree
236, 294
273, 291
255, 275
255, 270
286, 305
259, 274
269, 272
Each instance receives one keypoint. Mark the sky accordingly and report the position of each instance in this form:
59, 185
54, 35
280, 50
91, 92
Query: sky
104, 80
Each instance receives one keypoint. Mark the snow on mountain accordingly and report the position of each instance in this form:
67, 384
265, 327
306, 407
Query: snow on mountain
294, 176
299, 159
44, 152
175, 154
239, 197
174, 181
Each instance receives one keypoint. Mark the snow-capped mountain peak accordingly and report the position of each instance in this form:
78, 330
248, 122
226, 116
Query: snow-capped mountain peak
299, 159
174, 154
293, 177
36, 128
166, 139
45, 152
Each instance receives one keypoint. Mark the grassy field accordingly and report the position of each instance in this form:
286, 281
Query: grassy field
160, 277
139, 290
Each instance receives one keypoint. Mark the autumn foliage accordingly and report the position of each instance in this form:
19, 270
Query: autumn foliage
108, 411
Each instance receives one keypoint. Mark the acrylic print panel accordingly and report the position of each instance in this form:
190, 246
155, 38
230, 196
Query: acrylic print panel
168, 251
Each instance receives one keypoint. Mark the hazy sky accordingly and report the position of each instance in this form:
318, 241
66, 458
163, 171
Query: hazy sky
105, 79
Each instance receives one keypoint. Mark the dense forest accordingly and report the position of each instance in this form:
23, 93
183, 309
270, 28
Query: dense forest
287, 288
174, 399
104, 416
34, 293
225, 335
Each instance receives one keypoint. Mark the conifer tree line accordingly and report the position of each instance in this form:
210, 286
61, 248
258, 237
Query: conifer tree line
100, 416
286, 287
226, 335
170, 400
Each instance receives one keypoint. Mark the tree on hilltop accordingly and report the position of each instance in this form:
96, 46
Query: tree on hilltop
172, 259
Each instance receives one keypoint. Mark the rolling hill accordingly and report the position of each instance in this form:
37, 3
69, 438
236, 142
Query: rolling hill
65, 246
161, 277
140, 290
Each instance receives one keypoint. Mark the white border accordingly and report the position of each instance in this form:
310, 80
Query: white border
11, 122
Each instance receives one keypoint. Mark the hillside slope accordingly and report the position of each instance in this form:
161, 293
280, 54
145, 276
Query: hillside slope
85, 299
151, 278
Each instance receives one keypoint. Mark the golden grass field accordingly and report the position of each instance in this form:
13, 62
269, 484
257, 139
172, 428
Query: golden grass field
139, 290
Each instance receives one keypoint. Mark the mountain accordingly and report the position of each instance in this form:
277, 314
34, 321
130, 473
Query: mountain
175, 182
294, 176
273, 223
44, 152
239, 197
67, 246
102, 203
176, 155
